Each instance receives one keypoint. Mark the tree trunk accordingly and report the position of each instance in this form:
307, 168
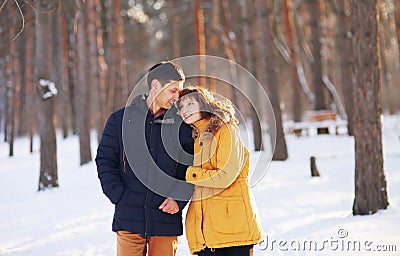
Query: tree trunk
200, 39
294, 80
21, 82
316, 66
115, 37
300, 31
370, 183
62, 70
102, 100
72, 78
246, 8
121, 93
94, 72
175, 20
397, 18
344, 45
110, 53
31, 106
229, 46
7, 77
46, 94
82, 74
269, 78
13, 78
214, 40
388, 88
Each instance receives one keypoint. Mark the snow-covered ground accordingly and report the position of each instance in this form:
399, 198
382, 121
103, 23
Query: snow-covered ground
300, 215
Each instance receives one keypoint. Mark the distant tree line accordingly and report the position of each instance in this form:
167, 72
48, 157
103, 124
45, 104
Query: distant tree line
66, 65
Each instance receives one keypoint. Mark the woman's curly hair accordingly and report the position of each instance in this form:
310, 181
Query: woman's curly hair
219, 111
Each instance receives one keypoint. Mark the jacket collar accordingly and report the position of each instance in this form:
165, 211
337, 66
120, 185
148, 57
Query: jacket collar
139, 102
200, 124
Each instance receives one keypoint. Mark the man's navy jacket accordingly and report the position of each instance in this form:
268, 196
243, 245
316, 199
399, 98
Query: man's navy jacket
134, 154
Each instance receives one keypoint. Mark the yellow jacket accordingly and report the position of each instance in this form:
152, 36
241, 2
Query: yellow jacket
220, 213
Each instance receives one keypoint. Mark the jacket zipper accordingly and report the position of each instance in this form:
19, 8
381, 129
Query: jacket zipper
123, 159
148, 180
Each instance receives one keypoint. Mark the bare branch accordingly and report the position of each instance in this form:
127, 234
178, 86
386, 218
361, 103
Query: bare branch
23, 21
2, 5
31, 5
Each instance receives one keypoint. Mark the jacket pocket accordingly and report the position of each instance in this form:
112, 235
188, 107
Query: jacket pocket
228, 215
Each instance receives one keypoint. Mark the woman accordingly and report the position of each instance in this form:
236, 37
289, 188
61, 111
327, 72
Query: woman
220, 219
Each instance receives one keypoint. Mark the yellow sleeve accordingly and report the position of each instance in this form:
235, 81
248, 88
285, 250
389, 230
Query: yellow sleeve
230, 155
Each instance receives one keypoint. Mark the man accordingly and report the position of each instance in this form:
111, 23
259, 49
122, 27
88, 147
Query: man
138, 158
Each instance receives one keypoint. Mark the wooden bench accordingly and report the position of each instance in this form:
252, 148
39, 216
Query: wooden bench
321, 121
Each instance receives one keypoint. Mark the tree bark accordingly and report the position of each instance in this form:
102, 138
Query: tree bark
62, 70
230, 46
214, 40
370, 183
13, 78
94, 70
73, 83
300, 31
82, 74
200, 39
48, 147
32, 105
7, 79
269, 77
397, 19
21, 81
294, 80
316, 67
102, 100
121, 93
116, 71
385, 35
246, 8
175, 20
345, 53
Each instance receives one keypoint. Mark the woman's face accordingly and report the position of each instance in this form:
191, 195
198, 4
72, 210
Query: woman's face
189, 109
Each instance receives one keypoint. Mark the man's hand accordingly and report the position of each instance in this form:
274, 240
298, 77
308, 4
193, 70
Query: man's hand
169, 206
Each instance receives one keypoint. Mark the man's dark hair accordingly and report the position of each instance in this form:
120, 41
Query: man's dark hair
165, 72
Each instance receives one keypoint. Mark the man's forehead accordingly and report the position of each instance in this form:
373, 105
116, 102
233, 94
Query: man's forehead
174, 84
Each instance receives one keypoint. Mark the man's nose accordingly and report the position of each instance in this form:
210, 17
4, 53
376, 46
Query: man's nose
176, 96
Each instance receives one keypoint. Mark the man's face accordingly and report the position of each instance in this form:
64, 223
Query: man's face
167, 95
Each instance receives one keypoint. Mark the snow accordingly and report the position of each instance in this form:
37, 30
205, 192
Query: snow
51, 87
300, 215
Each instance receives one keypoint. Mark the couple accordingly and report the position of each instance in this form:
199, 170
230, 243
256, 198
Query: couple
220, 219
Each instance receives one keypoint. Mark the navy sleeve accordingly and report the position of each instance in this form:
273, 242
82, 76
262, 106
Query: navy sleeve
186, 156
108, 161
185, 159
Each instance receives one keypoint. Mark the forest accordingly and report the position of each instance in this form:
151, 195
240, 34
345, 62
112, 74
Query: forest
66, 65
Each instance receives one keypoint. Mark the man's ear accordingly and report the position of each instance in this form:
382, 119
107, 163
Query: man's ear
155, 84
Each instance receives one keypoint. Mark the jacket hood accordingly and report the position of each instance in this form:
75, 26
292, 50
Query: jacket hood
139, 102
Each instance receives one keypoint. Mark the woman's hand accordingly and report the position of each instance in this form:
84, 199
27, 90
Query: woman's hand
169, 206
